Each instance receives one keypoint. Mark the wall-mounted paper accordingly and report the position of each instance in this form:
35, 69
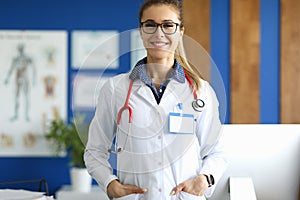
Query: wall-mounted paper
137, 48
95, 49
86, 89
33, 87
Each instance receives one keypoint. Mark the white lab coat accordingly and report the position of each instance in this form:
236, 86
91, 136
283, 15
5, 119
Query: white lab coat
153, 158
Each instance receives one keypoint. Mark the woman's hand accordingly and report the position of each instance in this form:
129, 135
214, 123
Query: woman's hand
115, 189
195, 186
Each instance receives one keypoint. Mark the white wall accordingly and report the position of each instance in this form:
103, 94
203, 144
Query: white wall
269, 154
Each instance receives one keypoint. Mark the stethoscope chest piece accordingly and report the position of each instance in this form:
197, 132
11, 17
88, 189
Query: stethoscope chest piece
198, 105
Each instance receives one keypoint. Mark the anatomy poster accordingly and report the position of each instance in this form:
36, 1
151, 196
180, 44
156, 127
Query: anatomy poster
33, 86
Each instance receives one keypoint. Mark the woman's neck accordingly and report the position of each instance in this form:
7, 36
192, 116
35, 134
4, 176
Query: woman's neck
158, 69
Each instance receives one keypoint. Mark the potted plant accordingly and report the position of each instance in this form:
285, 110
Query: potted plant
71, 138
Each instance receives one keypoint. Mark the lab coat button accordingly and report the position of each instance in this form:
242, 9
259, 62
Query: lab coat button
159, 137
159, 163
159, 189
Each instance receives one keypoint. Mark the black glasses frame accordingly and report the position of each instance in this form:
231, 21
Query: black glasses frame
161, 27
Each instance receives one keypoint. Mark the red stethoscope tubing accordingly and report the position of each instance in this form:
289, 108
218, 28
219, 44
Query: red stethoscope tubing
126, 105
191, 85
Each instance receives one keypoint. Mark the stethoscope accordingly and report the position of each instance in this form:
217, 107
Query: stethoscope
198, 105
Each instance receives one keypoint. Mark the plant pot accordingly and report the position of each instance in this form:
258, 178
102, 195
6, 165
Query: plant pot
81, 180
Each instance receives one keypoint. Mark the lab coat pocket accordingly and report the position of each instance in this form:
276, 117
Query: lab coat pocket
187, 196
131, 197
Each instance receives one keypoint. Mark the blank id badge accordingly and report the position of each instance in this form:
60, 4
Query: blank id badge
181, 123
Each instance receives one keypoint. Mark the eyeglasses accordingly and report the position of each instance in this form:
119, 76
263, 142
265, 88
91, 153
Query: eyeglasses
167, 28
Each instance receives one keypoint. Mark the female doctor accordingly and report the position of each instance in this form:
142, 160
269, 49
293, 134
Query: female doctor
161, 120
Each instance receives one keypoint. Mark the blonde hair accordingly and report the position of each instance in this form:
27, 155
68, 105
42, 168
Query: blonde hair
191, 70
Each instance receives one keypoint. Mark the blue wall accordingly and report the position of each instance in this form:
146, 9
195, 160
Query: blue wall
123, 15
269, 55
60, 15
270, 61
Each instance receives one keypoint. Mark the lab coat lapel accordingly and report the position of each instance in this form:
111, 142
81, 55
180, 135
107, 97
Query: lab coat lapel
171, 93
145, 93
173, 89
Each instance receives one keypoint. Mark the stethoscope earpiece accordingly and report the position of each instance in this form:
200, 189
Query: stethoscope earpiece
198, 105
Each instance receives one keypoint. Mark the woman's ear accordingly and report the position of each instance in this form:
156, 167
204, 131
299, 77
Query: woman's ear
141, 32
182, 31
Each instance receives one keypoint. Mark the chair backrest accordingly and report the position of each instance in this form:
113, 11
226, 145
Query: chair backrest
27, 183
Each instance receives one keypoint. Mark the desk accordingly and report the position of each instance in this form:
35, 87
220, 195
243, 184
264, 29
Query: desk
66, 193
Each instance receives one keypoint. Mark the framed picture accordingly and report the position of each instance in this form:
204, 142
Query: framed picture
137, 48
86, 88
95, 49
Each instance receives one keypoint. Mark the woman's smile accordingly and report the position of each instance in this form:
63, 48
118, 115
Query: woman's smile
159, 44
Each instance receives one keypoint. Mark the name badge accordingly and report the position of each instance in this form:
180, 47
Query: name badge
181, 123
